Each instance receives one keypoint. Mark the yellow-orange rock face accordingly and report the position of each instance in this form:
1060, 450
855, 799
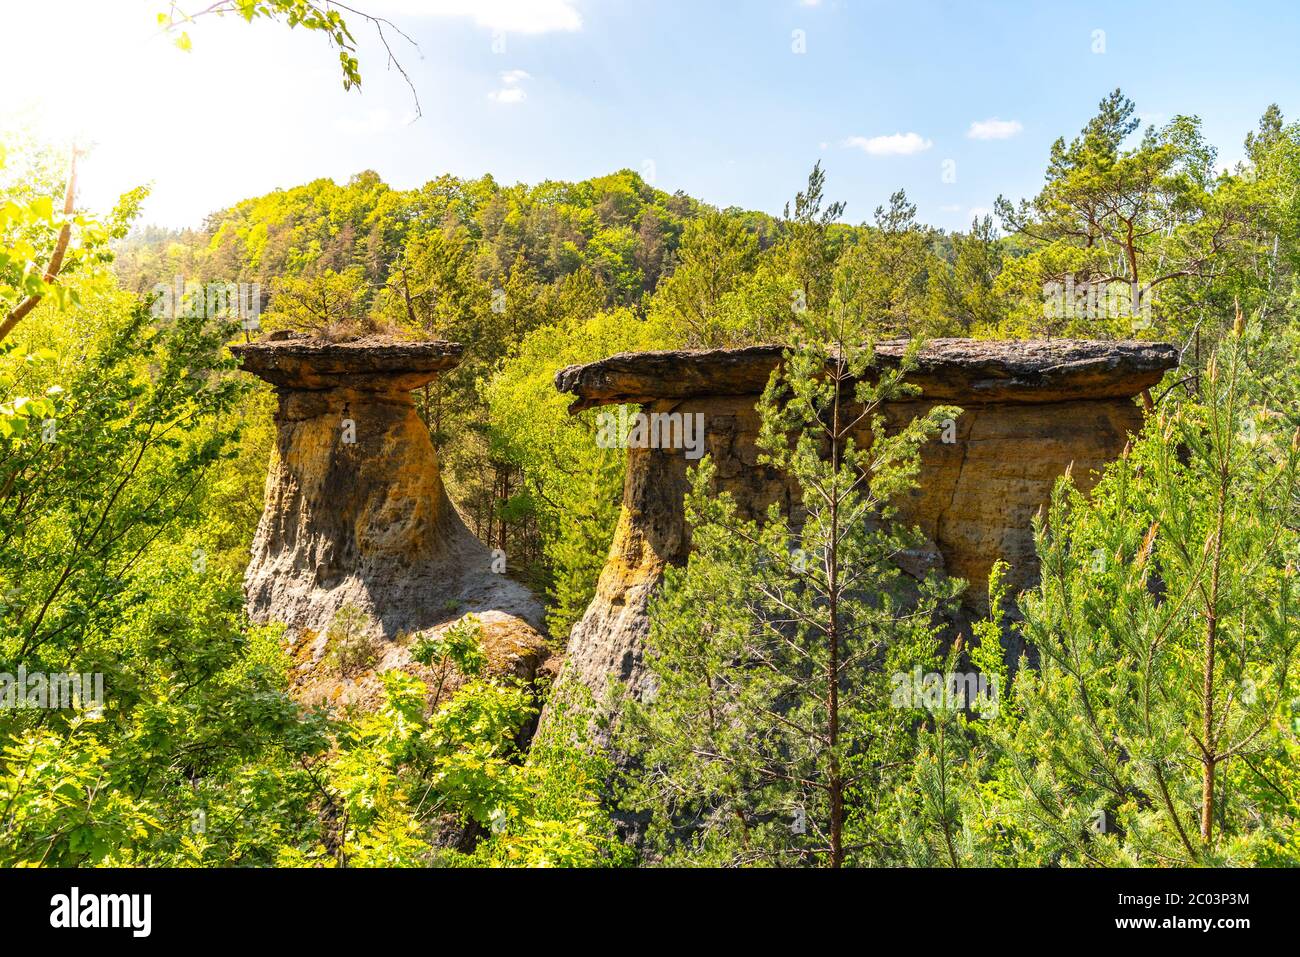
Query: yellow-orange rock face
1031, 410
356, 514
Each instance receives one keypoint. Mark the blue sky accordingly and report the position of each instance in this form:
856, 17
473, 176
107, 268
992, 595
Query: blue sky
709, 97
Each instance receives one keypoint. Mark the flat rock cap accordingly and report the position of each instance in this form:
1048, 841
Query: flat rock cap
372, 363
958, 370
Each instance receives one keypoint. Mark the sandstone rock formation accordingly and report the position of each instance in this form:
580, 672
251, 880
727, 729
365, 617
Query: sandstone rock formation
1030, 410
355, 511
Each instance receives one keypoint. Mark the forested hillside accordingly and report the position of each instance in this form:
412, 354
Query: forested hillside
541, 277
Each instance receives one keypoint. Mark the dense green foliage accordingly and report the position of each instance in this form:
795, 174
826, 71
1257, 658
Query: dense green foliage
1154, 723
122, 555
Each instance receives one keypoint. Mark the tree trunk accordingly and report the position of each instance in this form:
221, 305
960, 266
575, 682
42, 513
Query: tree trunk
1210, 758
836, 783
56, 258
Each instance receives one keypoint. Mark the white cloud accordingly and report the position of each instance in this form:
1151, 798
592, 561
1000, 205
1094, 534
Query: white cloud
511, 91
897, 144
979, 212
505, 16
994, 129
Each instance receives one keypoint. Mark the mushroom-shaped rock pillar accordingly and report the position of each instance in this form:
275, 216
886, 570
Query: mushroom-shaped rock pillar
1031, 409
355, 509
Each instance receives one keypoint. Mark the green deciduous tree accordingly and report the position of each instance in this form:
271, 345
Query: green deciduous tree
715, 256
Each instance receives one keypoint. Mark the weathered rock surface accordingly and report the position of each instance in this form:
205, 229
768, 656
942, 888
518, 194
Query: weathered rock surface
948, 369
367, 522
1031, 409
369, 363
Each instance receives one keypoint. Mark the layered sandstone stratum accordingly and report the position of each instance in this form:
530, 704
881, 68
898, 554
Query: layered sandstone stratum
1031, 410
356, 514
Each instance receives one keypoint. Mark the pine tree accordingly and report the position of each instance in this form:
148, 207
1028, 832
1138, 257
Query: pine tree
1154, 728
769, 735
